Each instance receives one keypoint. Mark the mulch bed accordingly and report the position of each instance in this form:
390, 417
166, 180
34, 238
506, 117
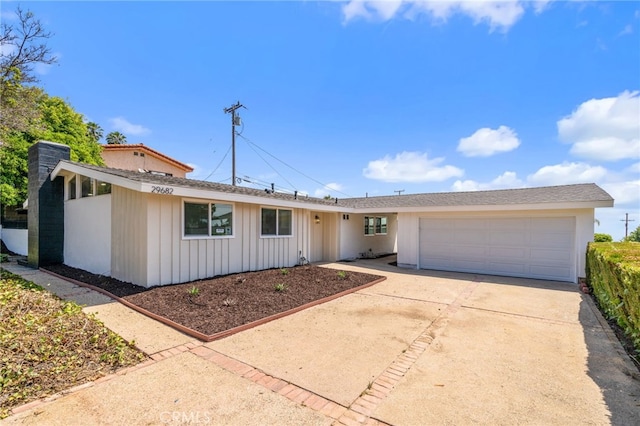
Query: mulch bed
222, 303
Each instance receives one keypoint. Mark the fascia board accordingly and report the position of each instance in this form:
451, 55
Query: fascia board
67, 168
205, 194
503, 207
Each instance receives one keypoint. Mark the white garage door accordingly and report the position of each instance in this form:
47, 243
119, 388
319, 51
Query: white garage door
521, 247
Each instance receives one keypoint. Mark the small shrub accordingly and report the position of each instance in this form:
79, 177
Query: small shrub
4, 257
229, 301
602, 238
342, 275
280, 287
193, 291
284, 271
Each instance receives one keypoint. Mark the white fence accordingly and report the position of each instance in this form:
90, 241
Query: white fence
16, 240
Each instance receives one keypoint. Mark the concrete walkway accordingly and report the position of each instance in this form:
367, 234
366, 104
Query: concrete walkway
420, 348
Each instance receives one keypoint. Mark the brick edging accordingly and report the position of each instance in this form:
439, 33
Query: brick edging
211, 337
151, 360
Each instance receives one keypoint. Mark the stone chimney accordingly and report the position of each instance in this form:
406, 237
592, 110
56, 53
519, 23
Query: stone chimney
46, 204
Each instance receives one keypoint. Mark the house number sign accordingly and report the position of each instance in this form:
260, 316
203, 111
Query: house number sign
161, 190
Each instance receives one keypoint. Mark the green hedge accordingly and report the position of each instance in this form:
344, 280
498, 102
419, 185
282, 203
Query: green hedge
613, 274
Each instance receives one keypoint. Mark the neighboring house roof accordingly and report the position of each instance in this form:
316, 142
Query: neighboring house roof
150, 151
588, 195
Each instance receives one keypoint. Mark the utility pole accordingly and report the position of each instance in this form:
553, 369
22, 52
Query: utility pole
399, 191
232, 109
626, 221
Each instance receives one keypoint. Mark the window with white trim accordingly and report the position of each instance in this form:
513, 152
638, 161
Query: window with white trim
276, 222
80, 186
72, 188
208, 219
375, 225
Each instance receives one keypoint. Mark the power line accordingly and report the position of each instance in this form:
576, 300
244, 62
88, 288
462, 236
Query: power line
259, 182
294, 169
218, 166
268, 164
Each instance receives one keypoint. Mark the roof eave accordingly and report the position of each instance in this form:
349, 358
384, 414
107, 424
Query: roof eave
488, 207
64, 168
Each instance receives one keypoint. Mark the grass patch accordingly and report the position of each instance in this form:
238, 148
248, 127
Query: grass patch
48, 345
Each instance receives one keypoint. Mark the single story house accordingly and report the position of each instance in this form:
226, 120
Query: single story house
154, 230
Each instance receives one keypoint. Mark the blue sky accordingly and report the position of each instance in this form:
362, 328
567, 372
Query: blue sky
366, 98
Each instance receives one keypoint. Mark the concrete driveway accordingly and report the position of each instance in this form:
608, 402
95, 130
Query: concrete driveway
420, 348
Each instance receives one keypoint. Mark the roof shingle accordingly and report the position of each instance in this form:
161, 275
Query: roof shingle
576, 193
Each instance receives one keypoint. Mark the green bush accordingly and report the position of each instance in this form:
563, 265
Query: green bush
613, 273
602, 238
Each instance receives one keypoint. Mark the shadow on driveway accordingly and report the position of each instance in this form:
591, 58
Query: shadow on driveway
611, 373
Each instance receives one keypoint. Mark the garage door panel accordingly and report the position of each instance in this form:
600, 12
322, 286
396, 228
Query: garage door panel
472, 224
438, 224
468, 265
526, 247
508, 238
469, 236
555, 273
508, 253
508, 224
470, 252
545, 239
554, 224
556, 257
507, 268
442, 264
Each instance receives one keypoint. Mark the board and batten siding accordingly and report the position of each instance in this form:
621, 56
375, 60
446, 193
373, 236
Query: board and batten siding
129, 235
172, 258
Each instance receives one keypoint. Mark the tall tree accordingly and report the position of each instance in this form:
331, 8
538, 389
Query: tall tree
57, 122
116, 138
94, 131
22, 46
27, 113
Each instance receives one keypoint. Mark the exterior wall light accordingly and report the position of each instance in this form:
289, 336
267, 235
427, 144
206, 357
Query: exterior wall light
317, 219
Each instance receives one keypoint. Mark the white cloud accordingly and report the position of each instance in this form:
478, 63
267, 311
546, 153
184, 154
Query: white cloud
199, 172
540, 5
410, 167
604, 129
628, 29
558, 174
504, 181
123, 125
624, 193
326, 190
486, 142
567, 173
634, 168
499, 15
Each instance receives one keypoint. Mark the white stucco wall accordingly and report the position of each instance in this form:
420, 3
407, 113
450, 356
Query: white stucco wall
16, 240
353, 241
87, 234
408, 230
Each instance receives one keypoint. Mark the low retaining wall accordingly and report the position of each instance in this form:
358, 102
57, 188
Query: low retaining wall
16, 240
